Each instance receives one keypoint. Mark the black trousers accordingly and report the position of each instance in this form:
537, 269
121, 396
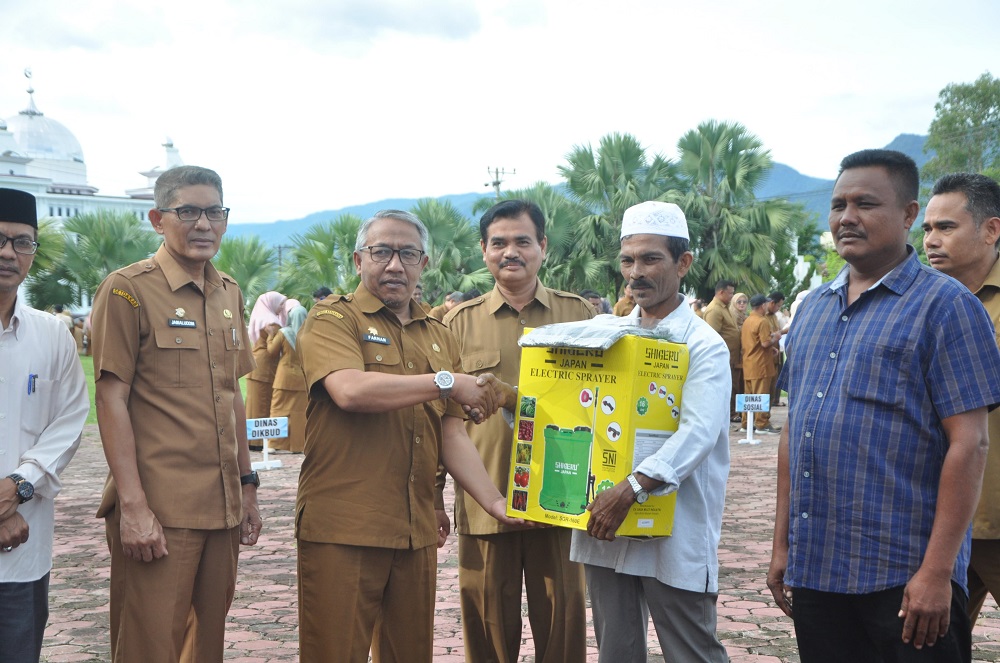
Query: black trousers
866, 628
22, 619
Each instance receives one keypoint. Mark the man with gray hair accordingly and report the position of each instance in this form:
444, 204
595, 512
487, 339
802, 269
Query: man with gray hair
673, 579
387, 404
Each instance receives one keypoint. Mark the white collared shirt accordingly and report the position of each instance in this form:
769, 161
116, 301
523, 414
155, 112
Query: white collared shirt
694, 461
40, 431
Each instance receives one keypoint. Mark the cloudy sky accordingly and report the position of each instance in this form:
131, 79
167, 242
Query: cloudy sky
305, 105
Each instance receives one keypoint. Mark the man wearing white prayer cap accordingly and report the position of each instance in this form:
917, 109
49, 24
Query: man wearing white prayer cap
673, 579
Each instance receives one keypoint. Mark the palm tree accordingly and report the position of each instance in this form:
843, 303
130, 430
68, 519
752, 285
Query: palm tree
606, 183
45, 287
455, 257
733, 235
323, 256
250, 263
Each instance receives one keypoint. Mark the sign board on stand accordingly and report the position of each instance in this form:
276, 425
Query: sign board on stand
750, 403
264, 429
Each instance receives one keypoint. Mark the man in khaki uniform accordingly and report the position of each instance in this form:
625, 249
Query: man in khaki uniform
492, 557
385, 408
771, 309
721, 319
961, 233
758, 341
170, 345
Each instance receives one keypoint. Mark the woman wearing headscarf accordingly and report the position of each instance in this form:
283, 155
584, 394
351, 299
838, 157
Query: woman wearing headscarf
289, 396
266, 318
738, 307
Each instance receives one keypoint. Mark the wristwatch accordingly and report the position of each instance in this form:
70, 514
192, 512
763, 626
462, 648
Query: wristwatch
640, 493
25, 491
444, 381
252, 478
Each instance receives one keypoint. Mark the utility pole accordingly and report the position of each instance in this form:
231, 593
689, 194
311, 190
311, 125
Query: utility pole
280, 249
496, 174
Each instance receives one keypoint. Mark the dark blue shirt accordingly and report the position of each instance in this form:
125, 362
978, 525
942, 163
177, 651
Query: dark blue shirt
868, 386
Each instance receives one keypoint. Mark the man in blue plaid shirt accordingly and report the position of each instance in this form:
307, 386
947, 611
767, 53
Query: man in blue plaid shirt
891, 370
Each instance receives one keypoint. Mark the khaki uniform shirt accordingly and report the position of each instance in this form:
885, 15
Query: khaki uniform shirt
182, 352
265, 364
986, 522
623, 307
368, 479
438, 312
758, 361
289, 374
487, 329
721, 319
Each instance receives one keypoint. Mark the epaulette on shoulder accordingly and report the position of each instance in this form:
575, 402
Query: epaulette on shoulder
137, 268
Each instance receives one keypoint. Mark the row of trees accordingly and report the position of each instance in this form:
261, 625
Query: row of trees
733, 234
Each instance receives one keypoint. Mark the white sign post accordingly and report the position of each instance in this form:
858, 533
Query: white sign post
265, 429
751, 403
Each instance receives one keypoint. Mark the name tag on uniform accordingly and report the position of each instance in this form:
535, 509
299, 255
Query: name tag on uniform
372, 338
177, 322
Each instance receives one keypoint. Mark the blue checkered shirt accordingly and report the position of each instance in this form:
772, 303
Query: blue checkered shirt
868, 386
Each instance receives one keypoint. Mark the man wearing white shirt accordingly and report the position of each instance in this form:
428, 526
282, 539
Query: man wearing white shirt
673, 579
43, 406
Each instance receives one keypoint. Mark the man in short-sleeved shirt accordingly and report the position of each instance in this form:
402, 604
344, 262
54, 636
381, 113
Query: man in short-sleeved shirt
180, 497
961, 231
758, 343
891, 368
721, 319
385, 408
493, 558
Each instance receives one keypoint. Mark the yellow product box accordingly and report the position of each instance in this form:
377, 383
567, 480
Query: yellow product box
586, 418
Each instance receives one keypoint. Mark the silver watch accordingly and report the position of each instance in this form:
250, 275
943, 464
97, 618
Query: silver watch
640, 493
444, 381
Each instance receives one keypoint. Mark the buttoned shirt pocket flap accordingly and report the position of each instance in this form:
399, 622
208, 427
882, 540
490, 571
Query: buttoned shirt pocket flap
483, 361
37, 412
177, 339
176, 350
377, 354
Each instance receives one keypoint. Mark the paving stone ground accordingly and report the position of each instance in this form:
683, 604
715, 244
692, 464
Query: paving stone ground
263, 622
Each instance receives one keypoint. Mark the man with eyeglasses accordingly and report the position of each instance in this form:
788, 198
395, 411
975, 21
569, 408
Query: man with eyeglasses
43, 406
170, 347
386, 406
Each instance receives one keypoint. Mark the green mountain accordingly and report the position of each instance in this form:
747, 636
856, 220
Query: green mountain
782, 182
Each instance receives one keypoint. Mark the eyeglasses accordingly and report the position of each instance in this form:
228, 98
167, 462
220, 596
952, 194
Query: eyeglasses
383, 254
22, 245
190, 213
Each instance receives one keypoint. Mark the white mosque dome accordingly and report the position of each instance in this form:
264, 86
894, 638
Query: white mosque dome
40, 137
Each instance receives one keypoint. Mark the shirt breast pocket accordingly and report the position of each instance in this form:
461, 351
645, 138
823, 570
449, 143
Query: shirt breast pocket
381, 358
177, 354
879, 373
484, 361
37, 412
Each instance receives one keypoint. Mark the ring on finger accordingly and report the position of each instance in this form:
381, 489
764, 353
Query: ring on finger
8, 548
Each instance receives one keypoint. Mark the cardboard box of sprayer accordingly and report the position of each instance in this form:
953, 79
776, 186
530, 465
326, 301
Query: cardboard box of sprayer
586, 419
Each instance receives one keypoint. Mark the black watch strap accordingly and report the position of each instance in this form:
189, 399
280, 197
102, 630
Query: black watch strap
250, 479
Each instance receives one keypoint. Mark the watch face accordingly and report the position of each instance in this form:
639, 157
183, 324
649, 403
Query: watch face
444, 379
641, 498
25, 491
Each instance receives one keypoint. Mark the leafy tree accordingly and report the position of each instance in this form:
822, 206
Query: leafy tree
606, 183
250, 262
965, 132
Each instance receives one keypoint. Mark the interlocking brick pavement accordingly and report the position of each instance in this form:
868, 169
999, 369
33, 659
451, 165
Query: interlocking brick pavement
262, 622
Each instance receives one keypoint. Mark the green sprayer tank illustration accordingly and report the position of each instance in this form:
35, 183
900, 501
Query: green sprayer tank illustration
566, 478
